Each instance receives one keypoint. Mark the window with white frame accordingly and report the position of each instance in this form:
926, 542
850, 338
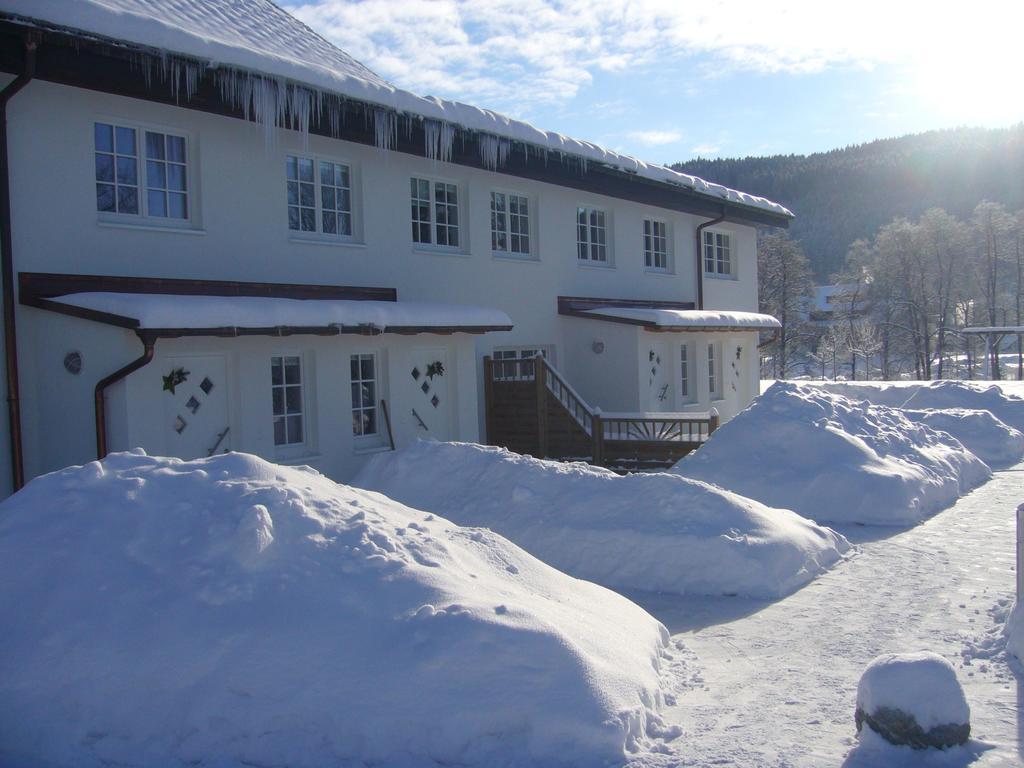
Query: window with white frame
714, 370
717, 253
435, 212
119, 175
505, 367
510, 224
319, 196
655, 244
591, 235
685, 373
286, 391
363, 373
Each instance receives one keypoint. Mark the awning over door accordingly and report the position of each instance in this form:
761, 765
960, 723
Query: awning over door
657, 319
171, 308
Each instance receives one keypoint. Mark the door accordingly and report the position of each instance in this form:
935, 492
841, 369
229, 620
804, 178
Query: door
429, 412
656, 371
195, 406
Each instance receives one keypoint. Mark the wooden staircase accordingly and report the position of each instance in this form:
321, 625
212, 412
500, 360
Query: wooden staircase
531, 409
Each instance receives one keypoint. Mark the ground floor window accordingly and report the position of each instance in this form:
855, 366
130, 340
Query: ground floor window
685, 373
714, 370
286, 391
506, 367
363, 368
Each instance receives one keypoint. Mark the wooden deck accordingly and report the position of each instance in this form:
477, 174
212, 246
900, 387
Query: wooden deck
531, 409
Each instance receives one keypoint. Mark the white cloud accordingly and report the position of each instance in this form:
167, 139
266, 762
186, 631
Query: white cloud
706, 149
655, 138
516, 54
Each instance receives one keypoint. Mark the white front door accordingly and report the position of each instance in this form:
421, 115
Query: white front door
195, 406
656, 371
429, 414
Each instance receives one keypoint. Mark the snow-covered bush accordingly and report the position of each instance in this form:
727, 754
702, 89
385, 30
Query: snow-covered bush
932, 395
229, 611
652, 532
913, 699
831, 458
988, 438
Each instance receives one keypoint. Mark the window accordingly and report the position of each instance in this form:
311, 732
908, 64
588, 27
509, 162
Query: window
435, 212
717, 253
591, 235
511, 371
117, 172
286, 389
684, 372
714, 374
655, 244
364, 394
510, 224
330, 211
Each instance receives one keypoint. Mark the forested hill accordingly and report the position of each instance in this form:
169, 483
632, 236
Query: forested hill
846, 194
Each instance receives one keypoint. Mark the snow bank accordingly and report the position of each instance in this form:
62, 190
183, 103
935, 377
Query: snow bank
651, 532
914, 699
988, 438
932, 395
831, 458
229, 611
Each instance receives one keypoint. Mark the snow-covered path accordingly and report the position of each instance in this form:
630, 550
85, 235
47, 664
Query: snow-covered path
778, 681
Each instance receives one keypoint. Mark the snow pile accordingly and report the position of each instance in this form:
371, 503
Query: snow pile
932, 395
229, 611
913, 699
650, 532
1015, 632
988, 438
831, 458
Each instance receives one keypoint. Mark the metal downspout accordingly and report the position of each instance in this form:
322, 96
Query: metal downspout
700, 256
7, 269
148, 343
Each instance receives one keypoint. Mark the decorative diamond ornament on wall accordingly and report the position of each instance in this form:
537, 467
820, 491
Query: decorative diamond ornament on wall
435, 401
416, 374
179, 425
193, 405
425, 387
206, 385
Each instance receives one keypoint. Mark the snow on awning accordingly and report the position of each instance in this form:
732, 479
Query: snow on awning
685, 319
184, 315
996, 329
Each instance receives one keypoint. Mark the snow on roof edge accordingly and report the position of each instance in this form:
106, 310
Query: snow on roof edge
147, 30
688, 318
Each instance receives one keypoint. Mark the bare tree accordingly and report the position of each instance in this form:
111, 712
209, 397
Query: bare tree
784, 278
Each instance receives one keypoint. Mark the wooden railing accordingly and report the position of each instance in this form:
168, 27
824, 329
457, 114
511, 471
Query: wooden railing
640, 438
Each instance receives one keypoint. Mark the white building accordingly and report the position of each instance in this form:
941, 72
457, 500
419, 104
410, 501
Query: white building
224, 233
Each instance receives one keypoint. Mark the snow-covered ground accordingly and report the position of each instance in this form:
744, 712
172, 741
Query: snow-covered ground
228, 612
654, 532
777, 682
830, 458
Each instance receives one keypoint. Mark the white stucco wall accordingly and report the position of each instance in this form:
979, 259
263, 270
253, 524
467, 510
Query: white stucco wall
239, 232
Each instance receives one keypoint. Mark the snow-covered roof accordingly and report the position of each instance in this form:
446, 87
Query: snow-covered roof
175, 311
258, 37
686, 319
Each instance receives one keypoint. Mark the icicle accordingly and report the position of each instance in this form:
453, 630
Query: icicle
385, 128
493, 151
438, 137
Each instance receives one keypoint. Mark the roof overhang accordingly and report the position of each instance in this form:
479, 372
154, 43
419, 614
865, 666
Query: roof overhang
665, 316
175, 308
91, 61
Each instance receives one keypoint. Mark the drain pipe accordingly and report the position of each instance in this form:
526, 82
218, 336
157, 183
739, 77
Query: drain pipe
7, 269
148, 343
700, 256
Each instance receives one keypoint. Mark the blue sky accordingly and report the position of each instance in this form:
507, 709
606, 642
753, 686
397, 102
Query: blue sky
668, 80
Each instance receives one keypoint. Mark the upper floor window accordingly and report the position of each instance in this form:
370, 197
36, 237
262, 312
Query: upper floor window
510, 224
286, 391
435, 212
717, 253
591, 235
164, 177
655, 244
319, 196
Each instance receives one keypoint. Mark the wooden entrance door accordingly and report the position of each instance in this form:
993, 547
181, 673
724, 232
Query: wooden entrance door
195, 406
